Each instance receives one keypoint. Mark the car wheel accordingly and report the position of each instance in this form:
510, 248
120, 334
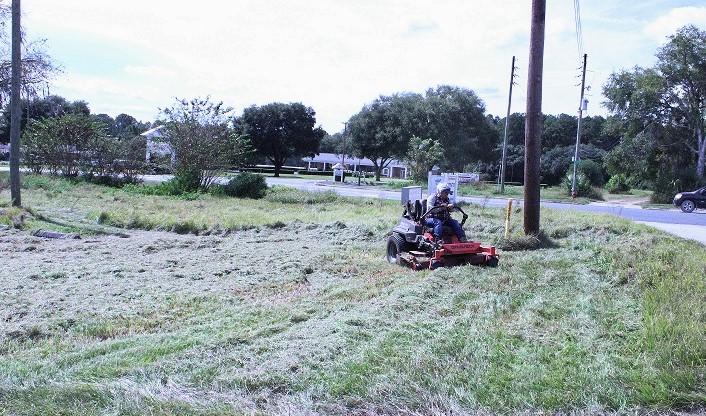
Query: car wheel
395, 245
687, 206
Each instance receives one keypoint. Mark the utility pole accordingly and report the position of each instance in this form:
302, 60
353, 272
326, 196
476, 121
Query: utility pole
15, 107
503, 163
343, 163
533, 121
345, 133
574, 193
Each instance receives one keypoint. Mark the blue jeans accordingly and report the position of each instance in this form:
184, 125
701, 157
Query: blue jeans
438, 225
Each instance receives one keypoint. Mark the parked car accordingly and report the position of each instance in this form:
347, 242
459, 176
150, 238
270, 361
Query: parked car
688, 201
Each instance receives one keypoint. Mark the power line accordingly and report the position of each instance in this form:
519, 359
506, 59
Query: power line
579, 30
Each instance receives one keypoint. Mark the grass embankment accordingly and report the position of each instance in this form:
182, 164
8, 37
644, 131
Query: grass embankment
288, 307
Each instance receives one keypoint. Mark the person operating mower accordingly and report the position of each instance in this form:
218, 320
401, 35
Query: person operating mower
438, 218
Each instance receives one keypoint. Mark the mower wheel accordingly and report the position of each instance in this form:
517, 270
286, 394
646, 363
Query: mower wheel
395, 245
492, 261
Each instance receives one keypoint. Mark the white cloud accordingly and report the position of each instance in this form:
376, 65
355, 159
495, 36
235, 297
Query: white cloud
674, 19
335, 56
151, 70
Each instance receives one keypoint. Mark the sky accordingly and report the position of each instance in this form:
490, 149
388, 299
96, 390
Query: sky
336, 56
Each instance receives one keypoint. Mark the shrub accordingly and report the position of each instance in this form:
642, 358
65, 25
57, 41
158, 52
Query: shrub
668, 184
246, 185
183, 182
113, 181
182, 185
618, 184
593, 171
583, 186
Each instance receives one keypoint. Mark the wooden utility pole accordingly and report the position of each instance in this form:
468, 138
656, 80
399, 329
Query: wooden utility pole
15, 107
574, 192
533, 121
503, 163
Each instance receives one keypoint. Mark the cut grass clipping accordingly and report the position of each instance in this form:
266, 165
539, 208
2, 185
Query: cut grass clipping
286, 305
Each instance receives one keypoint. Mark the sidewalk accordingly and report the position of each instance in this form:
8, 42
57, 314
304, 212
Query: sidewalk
690, 232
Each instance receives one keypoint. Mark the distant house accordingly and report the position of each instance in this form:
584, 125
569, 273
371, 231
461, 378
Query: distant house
4, 150
157, 149
325, 161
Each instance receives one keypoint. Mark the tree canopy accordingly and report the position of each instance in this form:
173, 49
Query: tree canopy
281, 131
558, 145
456, 118
381, 131
422, 155
453, 116
201, 135
37, 67
669, 98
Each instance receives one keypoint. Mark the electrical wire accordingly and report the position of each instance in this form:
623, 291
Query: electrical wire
579, 30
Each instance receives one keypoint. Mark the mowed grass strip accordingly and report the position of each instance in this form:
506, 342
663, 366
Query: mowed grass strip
598, 315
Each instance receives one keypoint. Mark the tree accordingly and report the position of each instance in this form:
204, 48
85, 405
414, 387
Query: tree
558, 131
38, 108
332, 143
280, 131
381, 131
106, 121
453, 116
682, 63
515, 151
201, 135
422, 155
126, 126
37, 66
556, 161
63, 144
456, 118
672, 95
632, 158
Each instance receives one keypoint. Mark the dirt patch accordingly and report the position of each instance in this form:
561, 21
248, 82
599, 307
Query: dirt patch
625, 201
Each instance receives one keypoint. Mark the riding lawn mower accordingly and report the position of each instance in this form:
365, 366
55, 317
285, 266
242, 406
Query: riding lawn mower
412, 243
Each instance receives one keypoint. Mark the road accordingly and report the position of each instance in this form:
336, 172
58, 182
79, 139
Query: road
689, 226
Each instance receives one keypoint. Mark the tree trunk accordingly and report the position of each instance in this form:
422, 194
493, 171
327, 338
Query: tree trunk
378, 170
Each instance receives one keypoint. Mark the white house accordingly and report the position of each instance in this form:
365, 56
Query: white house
157, 148
325, 161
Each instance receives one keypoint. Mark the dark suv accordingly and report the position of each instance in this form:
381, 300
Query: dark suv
687, 201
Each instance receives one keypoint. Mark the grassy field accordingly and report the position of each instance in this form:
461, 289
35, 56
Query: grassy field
286, 305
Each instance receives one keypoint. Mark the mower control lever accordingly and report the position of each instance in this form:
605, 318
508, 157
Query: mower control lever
463, 221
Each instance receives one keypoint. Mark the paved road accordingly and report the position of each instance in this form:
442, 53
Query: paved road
689, 226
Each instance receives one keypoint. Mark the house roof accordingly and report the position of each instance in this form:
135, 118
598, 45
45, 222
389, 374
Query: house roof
334, 158
153, 132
